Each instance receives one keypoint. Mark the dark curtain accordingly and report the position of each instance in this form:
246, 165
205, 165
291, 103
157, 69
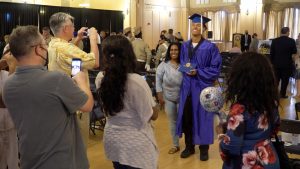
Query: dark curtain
76, 13
10, 17
45, 13
104, 19
28, 14
90, 18
13, 14
116, 19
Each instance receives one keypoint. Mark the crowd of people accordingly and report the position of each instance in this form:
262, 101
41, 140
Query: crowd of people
40, 100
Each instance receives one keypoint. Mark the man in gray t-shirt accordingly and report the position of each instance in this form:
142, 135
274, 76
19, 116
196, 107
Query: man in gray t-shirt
43, 105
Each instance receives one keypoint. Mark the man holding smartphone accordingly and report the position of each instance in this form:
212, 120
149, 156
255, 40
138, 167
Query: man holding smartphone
76, 66
42, 105
61, 53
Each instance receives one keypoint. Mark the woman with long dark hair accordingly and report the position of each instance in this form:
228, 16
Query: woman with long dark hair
253, 116
168, 81
126, 100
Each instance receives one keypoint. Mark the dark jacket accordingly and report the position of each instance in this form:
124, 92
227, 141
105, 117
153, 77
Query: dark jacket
282, 49
243, 40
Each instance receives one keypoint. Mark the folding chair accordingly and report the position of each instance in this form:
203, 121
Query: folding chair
97, 118
227, 59
292, 127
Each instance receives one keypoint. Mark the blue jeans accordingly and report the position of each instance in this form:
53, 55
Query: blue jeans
171, 110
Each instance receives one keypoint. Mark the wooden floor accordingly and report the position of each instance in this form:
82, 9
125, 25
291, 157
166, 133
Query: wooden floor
98, 160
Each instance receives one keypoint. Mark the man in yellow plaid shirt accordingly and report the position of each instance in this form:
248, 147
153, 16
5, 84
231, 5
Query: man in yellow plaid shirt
61, 52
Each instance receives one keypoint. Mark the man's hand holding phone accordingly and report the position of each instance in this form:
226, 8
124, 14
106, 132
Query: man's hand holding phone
80, 78
81, 33
94, 36
76, 66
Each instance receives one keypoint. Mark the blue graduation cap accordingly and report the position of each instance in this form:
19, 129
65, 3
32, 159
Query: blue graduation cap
196, 18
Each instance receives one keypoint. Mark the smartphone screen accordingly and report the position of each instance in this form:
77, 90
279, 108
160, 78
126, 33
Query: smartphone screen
76, 66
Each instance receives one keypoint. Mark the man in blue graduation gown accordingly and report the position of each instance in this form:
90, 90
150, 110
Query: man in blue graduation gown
204, 60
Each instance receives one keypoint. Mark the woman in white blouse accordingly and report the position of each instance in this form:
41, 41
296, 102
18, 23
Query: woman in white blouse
127, 101
168, 81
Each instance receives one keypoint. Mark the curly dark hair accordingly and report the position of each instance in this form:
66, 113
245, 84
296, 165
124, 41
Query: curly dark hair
119, 60
252, 83
168, 57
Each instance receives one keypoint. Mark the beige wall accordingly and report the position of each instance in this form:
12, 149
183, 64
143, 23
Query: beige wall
95, 4
212, 3
156, 15
287, 0
251, 17
167, 3
251, 13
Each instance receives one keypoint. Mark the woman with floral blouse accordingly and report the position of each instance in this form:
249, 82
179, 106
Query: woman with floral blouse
253, 117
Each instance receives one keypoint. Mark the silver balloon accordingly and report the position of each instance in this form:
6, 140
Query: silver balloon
211, 99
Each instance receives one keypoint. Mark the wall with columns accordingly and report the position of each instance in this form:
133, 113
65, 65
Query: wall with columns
251, 13
156, 15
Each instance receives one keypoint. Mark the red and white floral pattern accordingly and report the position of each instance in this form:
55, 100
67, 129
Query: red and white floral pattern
226, 139
235, 116
234, 121
257, 167
249, 160
223, 156
236, 109
258, 153
263, 122
262, 156
265, 152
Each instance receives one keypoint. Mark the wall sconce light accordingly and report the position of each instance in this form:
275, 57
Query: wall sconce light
84, 5
125, 12
42, 11
247, 12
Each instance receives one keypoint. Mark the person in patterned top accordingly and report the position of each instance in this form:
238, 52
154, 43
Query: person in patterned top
253, 117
